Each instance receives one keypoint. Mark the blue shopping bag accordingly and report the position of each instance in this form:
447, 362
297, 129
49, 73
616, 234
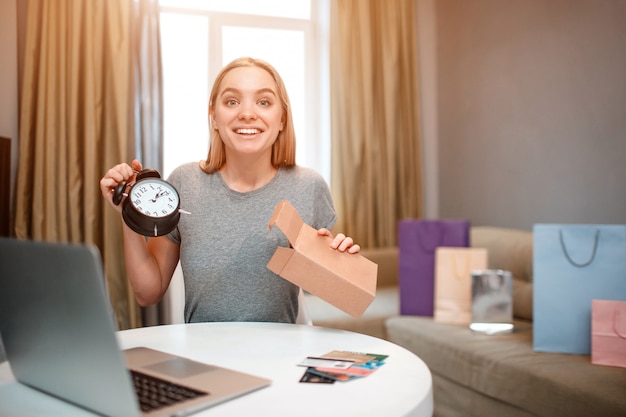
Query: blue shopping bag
574, 264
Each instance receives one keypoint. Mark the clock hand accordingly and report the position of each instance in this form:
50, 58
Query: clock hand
159, 194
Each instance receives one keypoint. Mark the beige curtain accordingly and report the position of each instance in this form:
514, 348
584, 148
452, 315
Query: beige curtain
76, 121
148, 85
148, 96
375, 118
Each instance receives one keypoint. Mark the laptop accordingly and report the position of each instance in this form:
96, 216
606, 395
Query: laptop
58, 331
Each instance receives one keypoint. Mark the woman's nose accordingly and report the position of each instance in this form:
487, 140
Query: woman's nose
247, 112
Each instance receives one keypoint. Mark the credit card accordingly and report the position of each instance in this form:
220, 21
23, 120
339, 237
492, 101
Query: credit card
315, 362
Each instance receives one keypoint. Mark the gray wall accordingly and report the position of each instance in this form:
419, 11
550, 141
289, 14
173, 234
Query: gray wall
531, 111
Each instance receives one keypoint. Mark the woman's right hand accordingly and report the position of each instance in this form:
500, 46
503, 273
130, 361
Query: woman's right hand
115, 175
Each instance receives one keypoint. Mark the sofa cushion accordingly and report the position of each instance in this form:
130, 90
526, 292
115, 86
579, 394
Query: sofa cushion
372, 322
506, 368
510, 250
385, 304
387, 261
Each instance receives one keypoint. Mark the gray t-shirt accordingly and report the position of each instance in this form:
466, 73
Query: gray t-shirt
225, 243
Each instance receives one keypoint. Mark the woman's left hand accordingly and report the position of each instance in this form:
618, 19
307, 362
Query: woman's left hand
341, 242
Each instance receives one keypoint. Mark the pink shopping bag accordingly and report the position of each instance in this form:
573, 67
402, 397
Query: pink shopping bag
608, 333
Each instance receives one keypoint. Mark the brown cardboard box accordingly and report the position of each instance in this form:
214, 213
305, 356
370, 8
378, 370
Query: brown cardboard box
347, 281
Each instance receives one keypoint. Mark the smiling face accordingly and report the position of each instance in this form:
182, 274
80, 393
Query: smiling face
247, 112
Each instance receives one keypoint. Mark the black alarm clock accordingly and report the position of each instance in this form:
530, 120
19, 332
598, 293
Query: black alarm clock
151, 206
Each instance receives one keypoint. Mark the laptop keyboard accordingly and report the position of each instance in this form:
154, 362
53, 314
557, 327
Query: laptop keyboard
154, 393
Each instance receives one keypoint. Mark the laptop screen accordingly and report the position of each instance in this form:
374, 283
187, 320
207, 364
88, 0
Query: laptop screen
57, 325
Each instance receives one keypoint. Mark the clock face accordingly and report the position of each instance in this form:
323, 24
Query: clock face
154, 197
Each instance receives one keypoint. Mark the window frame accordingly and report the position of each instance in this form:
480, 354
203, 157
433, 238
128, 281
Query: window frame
315, 145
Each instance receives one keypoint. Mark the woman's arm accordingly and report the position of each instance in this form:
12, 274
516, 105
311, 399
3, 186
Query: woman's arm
150, 263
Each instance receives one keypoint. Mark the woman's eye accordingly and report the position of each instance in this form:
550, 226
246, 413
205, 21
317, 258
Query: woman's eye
264, 103
231, 102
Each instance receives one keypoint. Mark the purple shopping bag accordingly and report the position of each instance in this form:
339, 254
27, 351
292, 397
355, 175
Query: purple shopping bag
418, 240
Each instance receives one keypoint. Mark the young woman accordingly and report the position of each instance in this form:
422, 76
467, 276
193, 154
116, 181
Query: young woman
225, 244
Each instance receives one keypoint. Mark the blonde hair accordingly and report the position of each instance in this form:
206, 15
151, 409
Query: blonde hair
283, 149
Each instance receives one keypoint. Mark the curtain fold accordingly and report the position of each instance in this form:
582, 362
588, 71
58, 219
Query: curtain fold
375, 118
77, 111
148, 85
147, 145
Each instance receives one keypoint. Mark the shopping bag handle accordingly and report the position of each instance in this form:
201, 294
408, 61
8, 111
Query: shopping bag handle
616, 316
569, 258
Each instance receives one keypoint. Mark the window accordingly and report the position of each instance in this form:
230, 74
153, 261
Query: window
200, 36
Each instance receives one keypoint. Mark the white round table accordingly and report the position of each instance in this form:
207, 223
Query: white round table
401, 387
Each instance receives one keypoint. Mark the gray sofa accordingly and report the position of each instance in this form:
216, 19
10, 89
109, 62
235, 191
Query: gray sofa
494, 375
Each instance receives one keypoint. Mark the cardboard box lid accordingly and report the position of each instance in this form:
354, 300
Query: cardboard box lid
347, 281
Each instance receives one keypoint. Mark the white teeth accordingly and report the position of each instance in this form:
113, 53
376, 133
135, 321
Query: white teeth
248, 131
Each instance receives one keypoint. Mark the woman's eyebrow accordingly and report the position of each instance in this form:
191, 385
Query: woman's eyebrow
237, 91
